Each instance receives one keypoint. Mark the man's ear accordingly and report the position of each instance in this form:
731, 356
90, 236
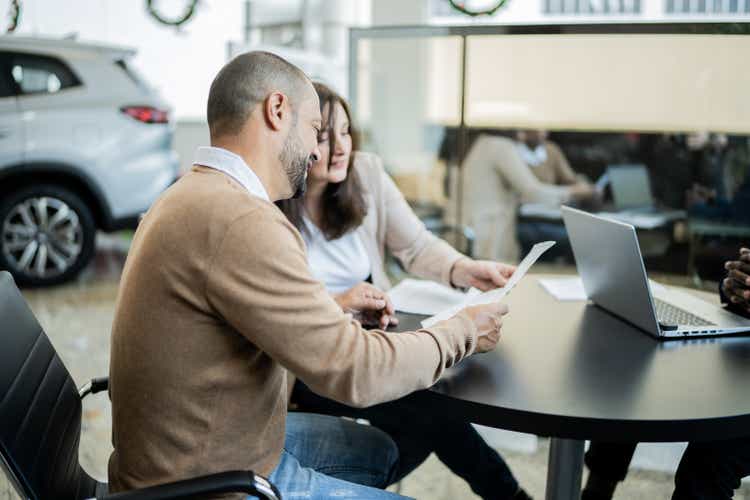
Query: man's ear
275, 109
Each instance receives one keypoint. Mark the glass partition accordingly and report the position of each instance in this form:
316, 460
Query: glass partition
669, 98
649, 82
408, 94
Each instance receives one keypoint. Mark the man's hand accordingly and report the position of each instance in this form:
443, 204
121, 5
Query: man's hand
370, 305
582, 191
736, 286
482, 274
488, 319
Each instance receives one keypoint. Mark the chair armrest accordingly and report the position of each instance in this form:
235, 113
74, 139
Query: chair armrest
98, 384
440, 228
222, 482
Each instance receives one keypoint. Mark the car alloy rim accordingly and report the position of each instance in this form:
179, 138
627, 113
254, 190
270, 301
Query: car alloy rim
42, 237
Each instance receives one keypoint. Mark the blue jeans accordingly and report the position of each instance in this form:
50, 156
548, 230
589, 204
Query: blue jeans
329, 457
418, 431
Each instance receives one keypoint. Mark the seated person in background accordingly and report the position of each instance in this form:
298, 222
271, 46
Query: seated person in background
708, 470
678, 161
351, 213
216, 307
727, 199
495, 181
548, 163
545, 158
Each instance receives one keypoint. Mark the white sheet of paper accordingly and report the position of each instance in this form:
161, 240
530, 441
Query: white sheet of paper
571, 288
424, 297
568, 288
657, 287
498, 293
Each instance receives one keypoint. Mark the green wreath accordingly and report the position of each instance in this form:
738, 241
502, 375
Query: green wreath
459, 6
178, 21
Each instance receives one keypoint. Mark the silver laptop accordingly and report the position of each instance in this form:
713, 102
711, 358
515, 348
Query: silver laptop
631, 187
631, 192
609, 261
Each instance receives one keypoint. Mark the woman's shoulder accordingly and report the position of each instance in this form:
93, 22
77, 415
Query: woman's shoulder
368, 164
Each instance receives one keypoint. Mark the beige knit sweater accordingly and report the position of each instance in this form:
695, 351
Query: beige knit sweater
215, 306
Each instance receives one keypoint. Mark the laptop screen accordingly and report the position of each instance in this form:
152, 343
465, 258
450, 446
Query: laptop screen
630, 186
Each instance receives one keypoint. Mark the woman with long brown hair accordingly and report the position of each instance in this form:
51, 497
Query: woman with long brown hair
350, 214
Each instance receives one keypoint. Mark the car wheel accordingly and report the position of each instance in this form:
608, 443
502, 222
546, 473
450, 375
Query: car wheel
47, 235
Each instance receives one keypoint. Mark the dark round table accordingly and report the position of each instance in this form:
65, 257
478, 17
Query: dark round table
572, 371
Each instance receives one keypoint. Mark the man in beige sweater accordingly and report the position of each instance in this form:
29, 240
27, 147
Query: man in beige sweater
216, 308
547, 162
496, 180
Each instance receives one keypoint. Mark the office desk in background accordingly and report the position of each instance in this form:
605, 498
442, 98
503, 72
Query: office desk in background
574, 372
639, 220
655, 230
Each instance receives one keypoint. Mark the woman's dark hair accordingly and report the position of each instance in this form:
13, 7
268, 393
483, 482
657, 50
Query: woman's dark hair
343, 203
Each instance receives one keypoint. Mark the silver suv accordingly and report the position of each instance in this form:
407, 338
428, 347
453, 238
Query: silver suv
85, 144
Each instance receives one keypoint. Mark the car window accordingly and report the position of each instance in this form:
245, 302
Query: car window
131, 73
41, 74
6, 86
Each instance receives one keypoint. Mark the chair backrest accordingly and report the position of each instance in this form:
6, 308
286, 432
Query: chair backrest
40, 410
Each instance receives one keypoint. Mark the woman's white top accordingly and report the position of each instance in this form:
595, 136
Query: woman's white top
339, 264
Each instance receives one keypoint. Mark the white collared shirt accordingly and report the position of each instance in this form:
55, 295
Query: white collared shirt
234, 166
532, 157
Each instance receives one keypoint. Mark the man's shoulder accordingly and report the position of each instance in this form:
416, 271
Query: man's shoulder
208, 198
553, 149
207, 187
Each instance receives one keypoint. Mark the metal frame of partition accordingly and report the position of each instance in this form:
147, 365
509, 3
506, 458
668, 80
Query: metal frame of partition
392, 32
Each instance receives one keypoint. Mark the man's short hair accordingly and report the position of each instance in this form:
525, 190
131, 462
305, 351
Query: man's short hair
243, 83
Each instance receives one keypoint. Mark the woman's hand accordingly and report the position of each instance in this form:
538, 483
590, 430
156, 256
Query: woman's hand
482, 274
370, 305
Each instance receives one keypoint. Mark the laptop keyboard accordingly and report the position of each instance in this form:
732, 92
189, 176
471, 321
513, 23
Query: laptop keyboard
668, 314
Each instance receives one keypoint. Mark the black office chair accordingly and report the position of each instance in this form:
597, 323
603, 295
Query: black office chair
462, 237
40, 421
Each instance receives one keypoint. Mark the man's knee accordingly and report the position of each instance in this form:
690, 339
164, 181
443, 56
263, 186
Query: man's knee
373, 449
342, 448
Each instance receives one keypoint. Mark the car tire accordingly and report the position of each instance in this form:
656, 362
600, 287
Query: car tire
47, 234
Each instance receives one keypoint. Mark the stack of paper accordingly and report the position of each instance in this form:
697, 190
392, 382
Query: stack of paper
571, 287
568, 288
424, 297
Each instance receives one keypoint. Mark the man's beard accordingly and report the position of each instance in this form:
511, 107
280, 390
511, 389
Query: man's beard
295, 161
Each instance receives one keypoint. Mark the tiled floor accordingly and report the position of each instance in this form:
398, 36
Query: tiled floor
78, 316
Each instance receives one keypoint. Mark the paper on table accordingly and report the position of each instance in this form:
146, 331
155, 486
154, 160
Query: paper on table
639, 221
568, 288
571, 288
497, 294
424, 297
